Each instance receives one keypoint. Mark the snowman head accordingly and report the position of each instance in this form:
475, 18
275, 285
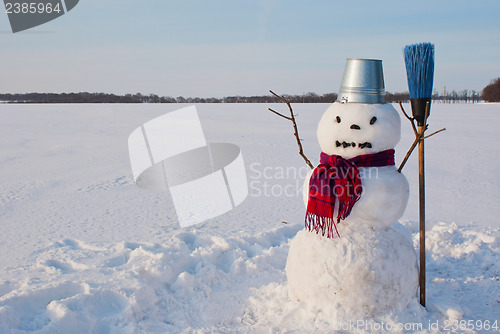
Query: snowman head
352, 129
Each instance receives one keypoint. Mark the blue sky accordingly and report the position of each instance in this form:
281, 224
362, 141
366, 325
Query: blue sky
229, 47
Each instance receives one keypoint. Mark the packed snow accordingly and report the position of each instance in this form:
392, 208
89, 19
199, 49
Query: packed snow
364, 273
84, 250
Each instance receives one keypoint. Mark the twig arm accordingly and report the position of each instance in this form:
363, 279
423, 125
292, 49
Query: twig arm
434, 133
408, 154
295, 129
281, 115
404, 112
418, 135
282, 98
411, 119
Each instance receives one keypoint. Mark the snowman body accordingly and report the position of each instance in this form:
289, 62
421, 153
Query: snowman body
372, 268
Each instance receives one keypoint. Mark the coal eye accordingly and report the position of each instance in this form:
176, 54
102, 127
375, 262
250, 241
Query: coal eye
338, 119
373, 120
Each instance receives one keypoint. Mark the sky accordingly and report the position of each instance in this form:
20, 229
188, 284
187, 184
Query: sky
246, 47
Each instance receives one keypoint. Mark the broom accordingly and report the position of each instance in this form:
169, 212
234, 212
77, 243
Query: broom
419, 61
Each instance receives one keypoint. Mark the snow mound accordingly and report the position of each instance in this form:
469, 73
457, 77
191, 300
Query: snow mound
194, 282
198, 283
364, 273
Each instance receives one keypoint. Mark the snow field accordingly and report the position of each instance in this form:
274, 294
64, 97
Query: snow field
83, 250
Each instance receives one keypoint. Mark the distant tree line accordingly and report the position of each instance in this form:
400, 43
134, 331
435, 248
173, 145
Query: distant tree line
69, 98
468, 96
491, 93
152, 98
463, 96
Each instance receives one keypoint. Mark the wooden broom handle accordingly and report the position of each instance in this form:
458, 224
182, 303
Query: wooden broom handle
421, 192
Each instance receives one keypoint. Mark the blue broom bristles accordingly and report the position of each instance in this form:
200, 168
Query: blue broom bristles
419, 61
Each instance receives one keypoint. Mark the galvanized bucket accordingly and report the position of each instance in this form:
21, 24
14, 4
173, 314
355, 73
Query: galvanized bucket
363, 82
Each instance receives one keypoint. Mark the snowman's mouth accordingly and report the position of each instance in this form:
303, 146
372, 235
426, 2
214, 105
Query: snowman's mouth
353, 144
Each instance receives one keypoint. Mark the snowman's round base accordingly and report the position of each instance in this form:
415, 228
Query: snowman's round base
363, 274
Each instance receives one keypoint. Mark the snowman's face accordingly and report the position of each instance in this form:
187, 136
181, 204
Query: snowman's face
352, 129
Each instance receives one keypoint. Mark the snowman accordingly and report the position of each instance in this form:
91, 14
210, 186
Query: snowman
352, 260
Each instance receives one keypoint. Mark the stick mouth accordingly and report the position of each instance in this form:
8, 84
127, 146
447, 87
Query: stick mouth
345, 144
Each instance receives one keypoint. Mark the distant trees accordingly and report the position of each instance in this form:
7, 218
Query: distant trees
463, 96
491, 93
303, 98
85, 97
396, 97
70, 98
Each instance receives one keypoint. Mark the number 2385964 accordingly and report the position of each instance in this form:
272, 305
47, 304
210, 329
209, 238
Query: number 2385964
32, 8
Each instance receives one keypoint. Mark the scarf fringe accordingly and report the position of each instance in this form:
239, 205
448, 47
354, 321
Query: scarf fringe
319, 224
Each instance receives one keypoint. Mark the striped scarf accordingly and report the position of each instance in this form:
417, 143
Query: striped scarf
337, 180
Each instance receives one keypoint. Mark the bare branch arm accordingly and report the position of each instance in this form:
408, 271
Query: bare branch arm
436, 132
280, 97
410, 151
404, 112
277, 113
295, 129
418, 136
411, 119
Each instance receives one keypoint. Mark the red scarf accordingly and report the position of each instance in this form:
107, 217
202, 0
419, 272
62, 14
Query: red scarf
337, 179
